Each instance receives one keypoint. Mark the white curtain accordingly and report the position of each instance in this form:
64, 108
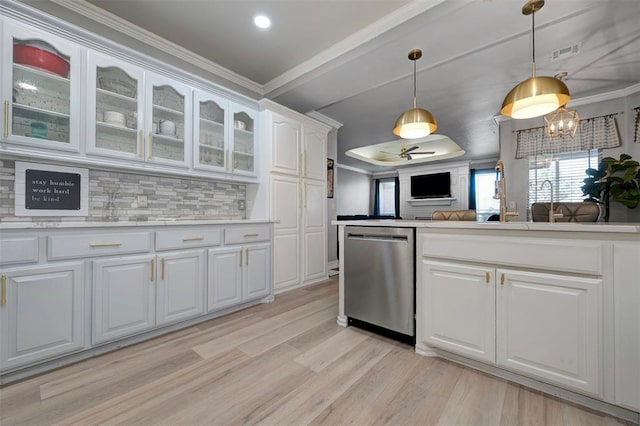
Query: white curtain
592, 133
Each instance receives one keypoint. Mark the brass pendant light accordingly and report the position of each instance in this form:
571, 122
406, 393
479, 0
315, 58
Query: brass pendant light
535, 96
415, 122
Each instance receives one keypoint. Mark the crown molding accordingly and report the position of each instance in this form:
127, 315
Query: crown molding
353, 169
386, 23
88, 10
324, 119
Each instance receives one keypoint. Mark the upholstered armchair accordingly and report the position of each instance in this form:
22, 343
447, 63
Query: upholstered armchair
586, 211
454, 215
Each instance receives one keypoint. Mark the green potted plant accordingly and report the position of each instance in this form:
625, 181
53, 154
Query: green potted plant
617, 180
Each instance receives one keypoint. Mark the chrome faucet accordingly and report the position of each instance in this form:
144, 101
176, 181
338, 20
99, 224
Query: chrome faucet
501, 193
552, 215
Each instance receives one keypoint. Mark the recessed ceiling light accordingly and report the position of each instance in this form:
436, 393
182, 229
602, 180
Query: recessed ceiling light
262, 21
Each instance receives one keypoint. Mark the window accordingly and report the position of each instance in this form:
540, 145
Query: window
566, 171
485, 184
386, 197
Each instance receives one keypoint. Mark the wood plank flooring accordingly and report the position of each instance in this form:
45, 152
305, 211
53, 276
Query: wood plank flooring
284, 363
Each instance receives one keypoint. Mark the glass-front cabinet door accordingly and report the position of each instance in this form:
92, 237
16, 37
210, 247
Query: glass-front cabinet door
40, 88
211, 138
168, 121
243, 140
114, 108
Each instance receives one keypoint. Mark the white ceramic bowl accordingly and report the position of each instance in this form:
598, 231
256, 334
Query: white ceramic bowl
167, 127
114, 117
240, 124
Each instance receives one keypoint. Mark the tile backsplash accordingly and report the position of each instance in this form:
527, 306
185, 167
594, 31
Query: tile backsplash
166, 197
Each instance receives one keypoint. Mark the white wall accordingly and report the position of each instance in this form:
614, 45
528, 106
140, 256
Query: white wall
459, 189
517, 170
352, 192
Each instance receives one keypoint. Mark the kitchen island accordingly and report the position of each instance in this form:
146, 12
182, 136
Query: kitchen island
554, 306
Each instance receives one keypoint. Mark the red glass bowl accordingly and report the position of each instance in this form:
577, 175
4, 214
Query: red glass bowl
39, 58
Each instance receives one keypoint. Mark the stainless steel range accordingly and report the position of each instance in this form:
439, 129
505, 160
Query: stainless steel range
379, 277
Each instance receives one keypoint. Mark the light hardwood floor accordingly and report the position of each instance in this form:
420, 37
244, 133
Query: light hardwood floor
284, 363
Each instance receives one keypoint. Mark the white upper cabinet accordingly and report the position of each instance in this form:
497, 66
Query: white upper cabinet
167, 121
137, 115
314, 163
243, 140
286, 145
210, 132
114, 108
41, 80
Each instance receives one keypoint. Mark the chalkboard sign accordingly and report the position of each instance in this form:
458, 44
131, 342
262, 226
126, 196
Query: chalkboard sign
48, 190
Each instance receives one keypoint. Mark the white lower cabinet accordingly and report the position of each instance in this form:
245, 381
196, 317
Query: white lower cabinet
124, 296
459, 309
180, 285
41, 313
238, 274
225, 278
549, 327
544, 325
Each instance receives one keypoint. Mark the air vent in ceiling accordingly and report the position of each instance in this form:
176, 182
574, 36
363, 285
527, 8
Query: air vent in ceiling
565, 52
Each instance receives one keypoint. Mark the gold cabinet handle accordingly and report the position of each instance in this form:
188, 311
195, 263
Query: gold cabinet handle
247, 256
226, 159
304, 161
305, 195
150, 145
105, 244
241, 258
153, 270
184, 240
487, 277
300, 159
3, 299
233, 160
162, 267
299, 195
250, 235
6, 119
140, 144
501, 279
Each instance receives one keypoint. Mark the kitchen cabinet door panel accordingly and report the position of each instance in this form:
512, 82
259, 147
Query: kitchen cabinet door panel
124, 296
225, 278
180, 288
286, 260
257, 271
314, 155
315, 249
286, 203
286, 145
458, 309
550, 326
43, 316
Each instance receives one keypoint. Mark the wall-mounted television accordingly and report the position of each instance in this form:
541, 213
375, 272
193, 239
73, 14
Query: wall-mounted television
435, 185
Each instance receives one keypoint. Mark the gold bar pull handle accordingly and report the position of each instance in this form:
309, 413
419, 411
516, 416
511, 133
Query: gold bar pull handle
241, 258
301, 163
6, 119
184, 240
153, 270
140, 144
487, 277
304, 162
233, 160
150, 145
3, 298
247, 256
501, 279
105, 244
305, 195
226, 159
300, 195
250, 235
162, 267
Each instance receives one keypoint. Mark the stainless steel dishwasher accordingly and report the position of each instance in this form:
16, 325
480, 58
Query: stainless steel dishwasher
379, 277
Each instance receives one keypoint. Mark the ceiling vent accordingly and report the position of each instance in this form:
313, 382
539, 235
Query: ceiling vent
565, 52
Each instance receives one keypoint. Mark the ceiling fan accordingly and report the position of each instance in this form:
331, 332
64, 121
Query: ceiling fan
406, 152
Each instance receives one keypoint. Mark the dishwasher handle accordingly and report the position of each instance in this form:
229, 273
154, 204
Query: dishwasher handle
378, 237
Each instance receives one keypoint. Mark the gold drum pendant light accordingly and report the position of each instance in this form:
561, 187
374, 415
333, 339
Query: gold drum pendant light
415, 122
535, 96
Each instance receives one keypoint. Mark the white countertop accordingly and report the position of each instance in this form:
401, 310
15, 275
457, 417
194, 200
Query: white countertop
156, 222
513, 226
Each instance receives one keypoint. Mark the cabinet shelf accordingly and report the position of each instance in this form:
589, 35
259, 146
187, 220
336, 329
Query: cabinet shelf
168, 110
39, 73
26, 108
115, 95
244, 154
213, 148
115, 127
211, 122
168, 139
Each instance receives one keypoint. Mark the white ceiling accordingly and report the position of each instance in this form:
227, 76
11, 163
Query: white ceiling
347, 59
